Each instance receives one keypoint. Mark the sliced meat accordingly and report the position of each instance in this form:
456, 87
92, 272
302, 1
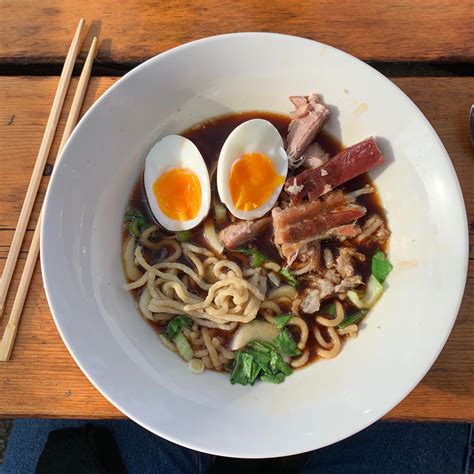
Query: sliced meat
343, 232
242, 232
316, 226
295, 214
373, 229
342, 167
344, 263
314, 156
290, 251
348, 283
308, 119
298, 101
367, 189
328, 258
311, 301
309, 259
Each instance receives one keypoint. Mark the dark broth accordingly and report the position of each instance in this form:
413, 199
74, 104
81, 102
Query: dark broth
209, 137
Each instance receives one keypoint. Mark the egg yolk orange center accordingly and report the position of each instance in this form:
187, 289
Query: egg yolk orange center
178, 193
252, 180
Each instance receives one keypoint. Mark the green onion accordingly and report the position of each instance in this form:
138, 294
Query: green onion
184, 235
329, 310
285, 343
282, 320
373, 292
258, 259
136, 221
175, 326
289, 277
183, 346
353, 318
381, 267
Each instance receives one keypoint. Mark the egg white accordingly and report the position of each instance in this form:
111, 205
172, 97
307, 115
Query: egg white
253, 136
174, 151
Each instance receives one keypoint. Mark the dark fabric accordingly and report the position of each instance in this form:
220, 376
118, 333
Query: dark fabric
90, 449
141, 451
397, 448
385, 448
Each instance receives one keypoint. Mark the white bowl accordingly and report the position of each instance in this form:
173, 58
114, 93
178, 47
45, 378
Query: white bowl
121, 355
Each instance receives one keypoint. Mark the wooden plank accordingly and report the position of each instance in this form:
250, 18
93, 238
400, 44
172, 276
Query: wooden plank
393, 30
43, 380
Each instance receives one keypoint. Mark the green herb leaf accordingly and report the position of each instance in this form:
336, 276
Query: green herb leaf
282, 320
261, 359
184, 235
285, 343
277, 364
270, 378
261, 346
245, 370
289, 277
136, 221
353, 318
176, 324
381, 267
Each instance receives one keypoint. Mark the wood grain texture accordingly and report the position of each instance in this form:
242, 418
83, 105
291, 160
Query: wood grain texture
42, 379
133, 30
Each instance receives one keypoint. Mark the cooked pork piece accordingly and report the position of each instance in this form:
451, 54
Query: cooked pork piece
311, 301
344, 262
312, 227
308, 120
328, 258
309, 210
242, 232
373, 230
348, 283
342, 167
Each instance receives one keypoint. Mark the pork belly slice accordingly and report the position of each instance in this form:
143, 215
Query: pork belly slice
308, 120
294, 214
310, 228
242, 232
344, 166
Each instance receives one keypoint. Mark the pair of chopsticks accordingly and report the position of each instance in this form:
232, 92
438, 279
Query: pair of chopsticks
8, 339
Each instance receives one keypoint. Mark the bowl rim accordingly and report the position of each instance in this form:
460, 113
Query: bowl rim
456, 297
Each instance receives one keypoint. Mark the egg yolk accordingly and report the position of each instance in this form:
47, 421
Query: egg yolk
252, 180
178, 193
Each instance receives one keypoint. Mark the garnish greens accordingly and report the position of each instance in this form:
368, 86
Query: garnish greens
282, 320
184, 235
258, 259
264, 361
289, 277
381, 267
176, 324
136, 221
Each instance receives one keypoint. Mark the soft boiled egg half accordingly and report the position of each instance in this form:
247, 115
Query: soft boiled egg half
176, 183
252, 168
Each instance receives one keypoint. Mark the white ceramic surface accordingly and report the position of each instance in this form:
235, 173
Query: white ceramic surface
121, 355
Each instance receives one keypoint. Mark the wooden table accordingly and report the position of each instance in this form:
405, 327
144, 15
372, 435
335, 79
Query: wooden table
431, 44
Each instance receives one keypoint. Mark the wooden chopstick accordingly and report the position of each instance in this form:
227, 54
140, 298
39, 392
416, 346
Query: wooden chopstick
39, 165
8, 339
